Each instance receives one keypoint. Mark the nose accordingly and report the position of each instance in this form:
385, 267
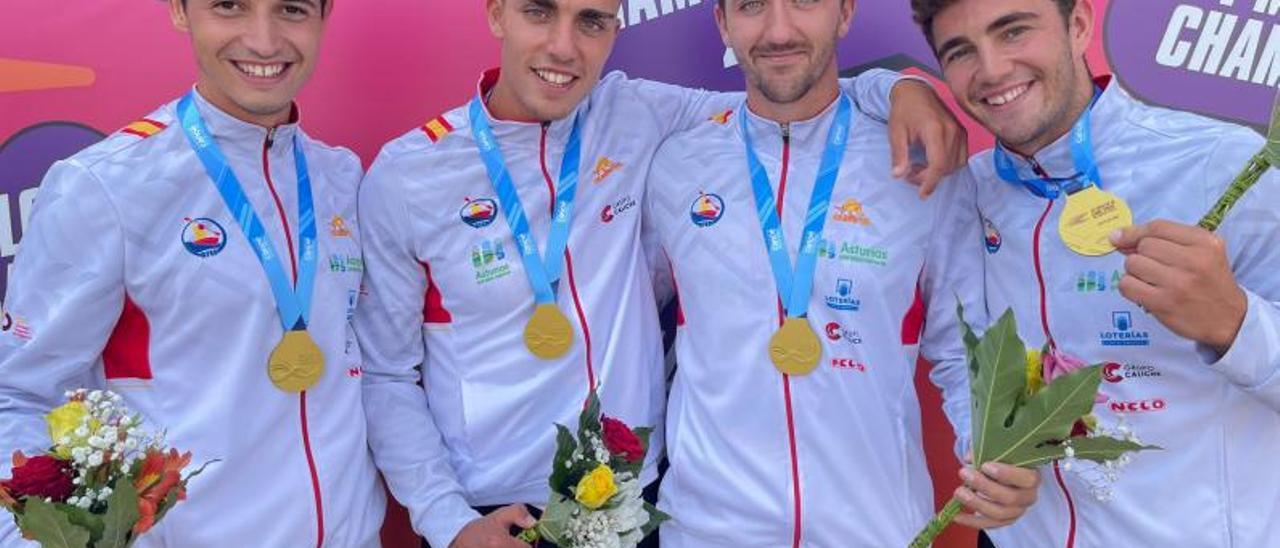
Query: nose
993, 66
262, 34
779, 25
562, 38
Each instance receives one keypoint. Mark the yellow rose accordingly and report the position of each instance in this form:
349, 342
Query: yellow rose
63, 423
1035, 372
595, 488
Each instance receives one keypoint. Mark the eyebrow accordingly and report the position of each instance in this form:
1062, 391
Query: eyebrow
595, 14
995, 26
309, 3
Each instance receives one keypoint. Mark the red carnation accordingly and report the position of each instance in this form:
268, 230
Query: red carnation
621, 441
41, 476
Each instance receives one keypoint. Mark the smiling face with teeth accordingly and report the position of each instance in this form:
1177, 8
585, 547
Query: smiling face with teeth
553, 52
1017, 66
254, 55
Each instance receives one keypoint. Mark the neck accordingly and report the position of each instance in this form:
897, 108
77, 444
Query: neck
225, 104
1081, 98
817, 99
503, 105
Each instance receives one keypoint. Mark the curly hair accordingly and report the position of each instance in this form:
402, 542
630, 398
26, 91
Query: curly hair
925, 10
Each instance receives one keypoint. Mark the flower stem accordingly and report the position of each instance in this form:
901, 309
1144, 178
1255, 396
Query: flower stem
937, 525
529, 535
1246, 179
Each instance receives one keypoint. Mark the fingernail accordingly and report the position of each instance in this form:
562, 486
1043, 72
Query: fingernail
966, 475
1115, 236
990, 469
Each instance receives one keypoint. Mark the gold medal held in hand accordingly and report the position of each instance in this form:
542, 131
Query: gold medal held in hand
1088, 220
297, 363
548, 333
795, 349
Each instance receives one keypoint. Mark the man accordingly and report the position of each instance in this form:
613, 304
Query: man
793, 418
137, 276
1185, 320
462, 274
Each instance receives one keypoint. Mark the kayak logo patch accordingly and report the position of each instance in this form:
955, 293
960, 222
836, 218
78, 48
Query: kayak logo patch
479, 213
706, 210
203, 237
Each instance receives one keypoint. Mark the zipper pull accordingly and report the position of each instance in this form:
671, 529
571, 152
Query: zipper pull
271, 136
786, 131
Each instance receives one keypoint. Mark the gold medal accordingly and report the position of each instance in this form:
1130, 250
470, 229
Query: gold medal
1088, 220
297, 363
795, 349
548, 333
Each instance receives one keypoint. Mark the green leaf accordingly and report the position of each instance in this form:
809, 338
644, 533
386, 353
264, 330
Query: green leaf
122, 515
560, 463
1097, 449
50, 527
86, 519
589, 420
1048, 415
555, 519
656, 517
1000, 381
970, 340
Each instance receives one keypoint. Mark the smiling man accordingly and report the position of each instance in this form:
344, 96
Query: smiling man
506, 269
810, 281
138, 275
1186, 321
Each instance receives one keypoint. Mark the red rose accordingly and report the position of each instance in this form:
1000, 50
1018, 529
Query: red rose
621, 441
41, 476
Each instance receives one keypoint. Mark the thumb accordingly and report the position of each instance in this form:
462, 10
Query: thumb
1126, 239
515, 514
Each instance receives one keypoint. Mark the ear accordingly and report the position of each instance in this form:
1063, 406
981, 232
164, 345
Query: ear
178, 15
327, 10
1081, 26
847, 10
722, 25
493, 11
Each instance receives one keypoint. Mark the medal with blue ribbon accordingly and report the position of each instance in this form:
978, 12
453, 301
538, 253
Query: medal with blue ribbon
548, 334
795, 348
1091, 214
296, 363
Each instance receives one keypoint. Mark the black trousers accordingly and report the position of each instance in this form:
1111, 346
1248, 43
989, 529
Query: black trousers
650, 495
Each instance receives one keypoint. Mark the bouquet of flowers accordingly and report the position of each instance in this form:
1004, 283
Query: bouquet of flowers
1032, 408
595, 486
104, 482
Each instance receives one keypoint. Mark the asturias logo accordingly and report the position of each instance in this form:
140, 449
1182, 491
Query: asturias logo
991, 236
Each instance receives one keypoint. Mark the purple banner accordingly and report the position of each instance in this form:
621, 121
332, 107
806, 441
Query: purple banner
1220, 58
676, 41
24, 158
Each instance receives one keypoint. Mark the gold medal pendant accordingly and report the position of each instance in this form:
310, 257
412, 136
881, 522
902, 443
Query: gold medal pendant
1088, 220
548, 333
795, 349
297, 363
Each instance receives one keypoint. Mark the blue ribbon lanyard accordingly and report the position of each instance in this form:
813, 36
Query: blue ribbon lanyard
294, 303
795, 286
1081, 155
542, 272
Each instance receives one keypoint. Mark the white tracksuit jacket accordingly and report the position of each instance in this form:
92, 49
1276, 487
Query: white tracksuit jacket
135, 277
448, 298
834, 458
1217, 418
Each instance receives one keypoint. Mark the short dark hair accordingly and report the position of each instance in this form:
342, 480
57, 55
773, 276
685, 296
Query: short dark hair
925, 10
322, 5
